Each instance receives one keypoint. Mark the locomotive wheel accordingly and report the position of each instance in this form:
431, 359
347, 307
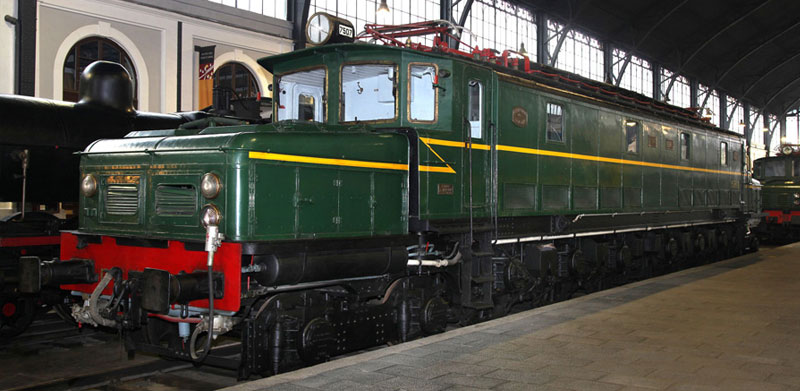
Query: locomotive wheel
434, 315
16, 314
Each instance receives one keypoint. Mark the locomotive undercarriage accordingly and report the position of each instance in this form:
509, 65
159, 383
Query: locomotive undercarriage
445, 279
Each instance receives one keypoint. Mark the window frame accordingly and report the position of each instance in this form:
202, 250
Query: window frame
639, 132
75, 50
276, 102
723, 154
235, 65
688, 146
395, 82
547, 138
435, 96
481, 107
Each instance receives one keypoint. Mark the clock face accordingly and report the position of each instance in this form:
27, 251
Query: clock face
319, 28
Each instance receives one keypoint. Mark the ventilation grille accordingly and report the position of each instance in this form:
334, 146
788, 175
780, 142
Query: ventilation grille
122, 200
176, 200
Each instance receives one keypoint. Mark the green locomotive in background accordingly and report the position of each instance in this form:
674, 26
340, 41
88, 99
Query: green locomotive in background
397, 191
781, 195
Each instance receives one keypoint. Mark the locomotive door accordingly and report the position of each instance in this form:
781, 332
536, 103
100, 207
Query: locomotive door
478, 138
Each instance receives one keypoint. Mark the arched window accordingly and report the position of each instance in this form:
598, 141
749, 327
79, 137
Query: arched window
237, 77
84, 53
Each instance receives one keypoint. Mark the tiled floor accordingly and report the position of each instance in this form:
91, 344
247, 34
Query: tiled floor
733, 325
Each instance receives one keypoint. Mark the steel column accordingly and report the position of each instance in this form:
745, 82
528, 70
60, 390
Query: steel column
782, 121
608, 62
298, 15
656, 81
748, 129
25, 66
446, 13
723, 110
542, 37
463, 19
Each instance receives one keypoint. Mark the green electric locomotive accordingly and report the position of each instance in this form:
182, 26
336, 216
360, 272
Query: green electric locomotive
781, 195
399, 189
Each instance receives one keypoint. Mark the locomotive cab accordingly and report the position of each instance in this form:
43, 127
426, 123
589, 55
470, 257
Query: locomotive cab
780, 178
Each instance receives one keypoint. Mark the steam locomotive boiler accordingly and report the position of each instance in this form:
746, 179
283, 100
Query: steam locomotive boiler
401, 188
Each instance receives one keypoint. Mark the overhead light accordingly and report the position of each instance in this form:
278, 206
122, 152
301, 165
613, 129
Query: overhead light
765, 129
522, 50
630, 123
383, 9
742, 125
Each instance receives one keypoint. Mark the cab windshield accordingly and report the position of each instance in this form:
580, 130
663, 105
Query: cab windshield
369, 92
772, 168
301, 96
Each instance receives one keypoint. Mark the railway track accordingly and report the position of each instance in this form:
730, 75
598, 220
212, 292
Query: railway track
47, 329
77, 371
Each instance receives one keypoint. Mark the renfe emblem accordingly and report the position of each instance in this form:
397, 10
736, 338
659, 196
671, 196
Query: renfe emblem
519, 117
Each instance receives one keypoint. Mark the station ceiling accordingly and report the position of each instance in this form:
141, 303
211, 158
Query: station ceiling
749, 49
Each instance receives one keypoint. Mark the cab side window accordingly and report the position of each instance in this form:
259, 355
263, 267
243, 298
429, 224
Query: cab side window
632, 131
422, 93
686, 143
555, 122
475, 109
723, 153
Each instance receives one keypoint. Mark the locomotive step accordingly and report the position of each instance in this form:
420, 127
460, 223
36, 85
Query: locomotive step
481, 305
478, 254
483, 279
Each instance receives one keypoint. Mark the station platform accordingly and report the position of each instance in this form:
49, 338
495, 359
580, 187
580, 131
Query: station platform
731, 325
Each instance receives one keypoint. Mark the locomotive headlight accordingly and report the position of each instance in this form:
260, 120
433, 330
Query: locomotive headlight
796, 195
210, 215
210, 186
88, 185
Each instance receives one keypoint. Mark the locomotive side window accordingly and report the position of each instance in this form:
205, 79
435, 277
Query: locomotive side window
305, 107
723, 153
475, 112
632, 131
686, 142
301, 96
555, 122
368, 92
422, 98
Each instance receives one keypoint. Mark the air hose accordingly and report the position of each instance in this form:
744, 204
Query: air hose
213, 241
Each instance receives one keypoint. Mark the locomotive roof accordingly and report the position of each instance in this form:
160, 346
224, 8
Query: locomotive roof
544, 75
778, 157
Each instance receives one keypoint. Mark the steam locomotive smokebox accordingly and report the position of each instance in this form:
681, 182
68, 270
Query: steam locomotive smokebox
107, 84
329, 265
541, 258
